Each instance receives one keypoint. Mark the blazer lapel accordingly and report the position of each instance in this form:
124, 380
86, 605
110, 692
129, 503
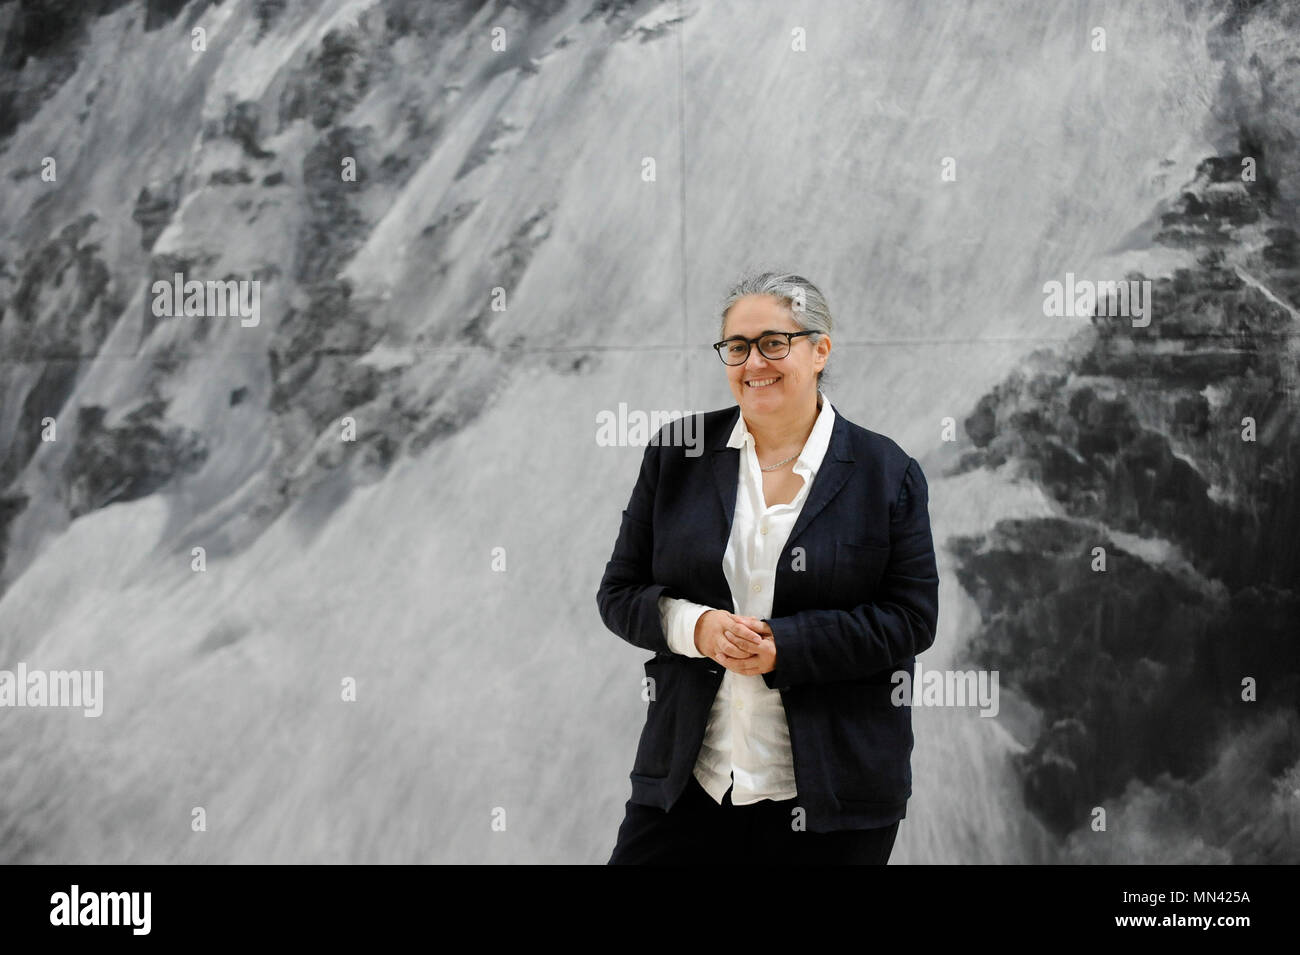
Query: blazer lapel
726, 472
831, 475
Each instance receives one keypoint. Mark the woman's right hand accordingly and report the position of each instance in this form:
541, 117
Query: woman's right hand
722, 632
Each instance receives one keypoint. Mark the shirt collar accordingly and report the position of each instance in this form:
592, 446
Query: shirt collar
814, 449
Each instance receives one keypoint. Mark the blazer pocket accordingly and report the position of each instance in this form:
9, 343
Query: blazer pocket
655, 749
873, 740
857, 572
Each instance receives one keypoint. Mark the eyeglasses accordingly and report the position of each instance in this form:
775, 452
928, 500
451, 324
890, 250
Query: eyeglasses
771, 345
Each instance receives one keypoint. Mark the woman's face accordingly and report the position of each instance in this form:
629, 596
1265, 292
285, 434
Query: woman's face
795, 375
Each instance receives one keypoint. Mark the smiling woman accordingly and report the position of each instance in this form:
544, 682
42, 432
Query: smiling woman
797, 308
780, 581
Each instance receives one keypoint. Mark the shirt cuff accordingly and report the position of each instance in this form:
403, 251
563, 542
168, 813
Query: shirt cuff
679, 618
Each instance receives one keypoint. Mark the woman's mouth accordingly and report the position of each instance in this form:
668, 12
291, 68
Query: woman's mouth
760, 382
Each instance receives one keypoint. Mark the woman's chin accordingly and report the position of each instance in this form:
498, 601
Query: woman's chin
759, 397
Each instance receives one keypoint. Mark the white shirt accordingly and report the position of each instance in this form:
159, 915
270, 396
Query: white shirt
747, 738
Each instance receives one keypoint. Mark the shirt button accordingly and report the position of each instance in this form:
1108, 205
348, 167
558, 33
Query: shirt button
763, 529
739, 704
757, 588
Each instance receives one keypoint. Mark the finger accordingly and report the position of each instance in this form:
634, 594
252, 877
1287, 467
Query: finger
744, 632
730, 663
744, 667
734, 648
746, 645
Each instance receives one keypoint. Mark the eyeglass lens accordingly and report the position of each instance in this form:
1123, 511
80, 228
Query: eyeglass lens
770, 346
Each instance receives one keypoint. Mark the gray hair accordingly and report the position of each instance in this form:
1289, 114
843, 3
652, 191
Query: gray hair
785, 286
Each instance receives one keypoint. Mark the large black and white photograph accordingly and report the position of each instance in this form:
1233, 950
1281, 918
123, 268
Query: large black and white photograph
598, 432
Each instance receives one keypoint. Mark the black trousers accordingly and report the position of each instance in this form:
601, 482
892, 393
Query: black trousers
698, 831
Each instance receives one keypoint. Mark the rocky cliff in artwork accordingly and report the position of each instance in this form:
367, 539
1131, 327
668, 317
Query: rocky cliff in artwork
1155, 620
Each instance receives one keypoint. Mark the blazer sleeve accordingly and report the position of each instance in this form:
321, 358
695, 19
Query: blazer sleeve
628, 597
820, 646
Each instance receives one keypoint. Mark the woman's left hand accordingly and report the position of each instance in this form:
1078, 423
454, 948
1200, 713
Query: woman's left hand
764, 657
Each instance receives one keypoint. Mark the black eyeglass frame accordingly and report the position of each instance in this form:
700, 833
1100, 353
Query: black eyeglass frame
751, 342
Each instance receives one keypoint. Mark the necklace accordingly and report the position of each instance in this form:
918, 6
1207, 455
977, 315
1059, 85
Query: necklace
773, 467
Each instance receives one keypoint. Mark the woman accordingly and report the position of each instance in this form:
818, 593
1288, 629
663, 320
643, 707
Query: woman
782, 578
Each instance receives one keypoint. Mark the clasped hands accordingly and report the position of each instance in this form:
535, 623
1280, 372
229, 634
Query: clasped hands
741, 644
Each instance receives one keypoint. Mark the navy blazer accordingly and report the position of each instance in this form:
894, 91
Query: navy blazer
856, 598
